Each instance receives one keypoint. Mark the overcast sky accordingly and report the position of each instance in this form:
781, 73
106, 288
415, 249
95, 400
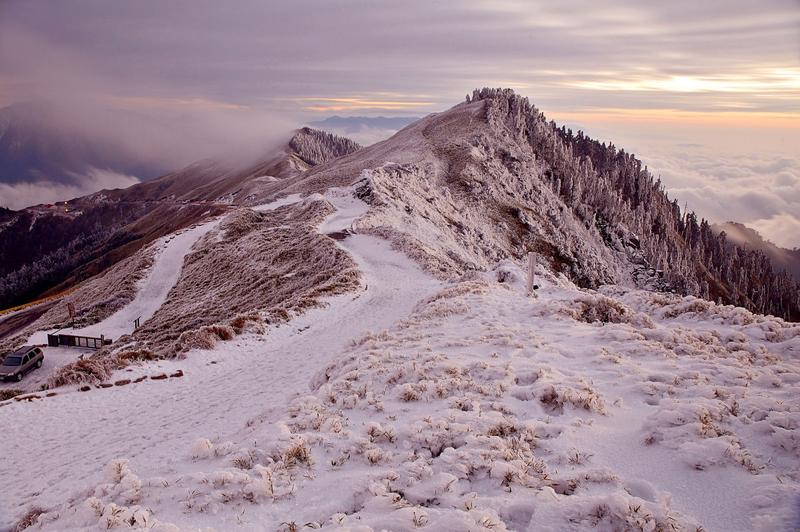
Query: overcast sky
707, 90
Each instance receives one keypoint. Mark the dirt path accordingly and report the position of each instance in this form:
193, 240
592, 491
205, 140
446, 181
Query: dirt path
20, 320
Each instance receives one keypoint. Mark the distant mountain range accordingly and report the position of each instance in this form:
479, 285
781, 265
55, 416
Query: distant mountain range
353, 124
364, 129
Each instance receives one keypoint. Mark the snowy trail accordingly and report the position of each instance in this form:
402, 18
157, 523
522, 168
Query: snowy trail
66, 440
151, 294
152, 290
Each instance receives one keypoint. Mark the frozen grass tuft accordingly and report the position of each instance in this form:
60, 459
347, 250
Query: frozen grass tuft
29, 519
598, 308
298, 453
205, 337
93, 369
10, 393
242, 322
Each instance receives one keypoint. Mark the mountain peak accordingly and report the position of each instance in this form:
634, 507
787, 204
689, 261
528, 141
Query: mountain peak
316, 147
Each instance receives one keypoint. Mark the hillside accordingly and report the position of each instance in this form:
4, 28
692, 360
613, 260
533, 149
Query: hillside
48, 249
347, 343
492, 178
412, 403
782, 259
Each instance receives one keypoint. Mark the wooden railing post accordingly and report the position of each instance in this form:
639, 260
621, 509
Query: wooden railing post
532, 286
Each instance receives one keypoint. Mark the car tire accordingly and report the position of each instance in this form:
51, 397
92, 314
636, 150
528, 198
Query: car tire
18, 376
39, 364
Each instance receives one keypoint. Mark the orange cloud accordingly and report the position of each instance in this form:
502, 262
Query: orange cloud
355, 103
156, 102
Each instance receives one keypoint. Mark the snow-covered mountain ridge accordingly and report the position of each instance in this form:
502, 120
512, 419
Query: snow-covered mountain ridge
352, 348
491, 178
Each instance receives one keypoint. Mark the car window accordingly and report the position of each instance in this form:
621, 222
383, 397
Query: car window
13, 361
25, 359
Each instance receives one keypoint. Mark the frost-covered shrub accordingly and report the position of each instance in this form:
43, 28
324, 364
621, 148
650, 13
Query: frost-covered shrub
202, 448
556, 397
93, 369
297, 453
408, 392
597, 308
10, 393
108, 516
29, 519
123, 486
273, 483
196, 339
688, 305
241, 322
205, 337
506, 274
223, 332
603, 309
124, 358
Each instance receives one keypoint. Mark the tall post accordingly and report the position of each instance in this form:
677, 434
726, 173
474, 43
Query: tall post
531, 271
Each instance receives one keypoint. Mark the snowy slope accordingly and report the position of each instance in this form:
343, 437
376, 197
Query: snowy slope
477, 408
435, 394
152, 290
239, 382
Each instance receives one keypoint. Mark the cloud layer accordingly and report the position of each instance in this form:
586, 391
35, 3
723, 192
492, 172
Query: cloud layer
20, 195
204, 77
420, 55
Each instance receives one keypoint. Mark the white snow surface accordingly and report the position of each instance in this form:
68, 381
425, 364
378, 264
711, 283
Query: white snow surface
414, 404
66, 440
280, 202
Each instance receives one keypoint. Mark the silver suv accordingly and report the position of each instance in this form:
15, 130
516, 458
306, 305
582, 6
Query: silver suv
18, 363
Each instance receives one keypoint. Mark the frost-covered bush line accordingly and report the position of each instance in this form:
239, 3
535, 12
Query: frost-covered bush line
126, 357
256, 266
10, 393
98, 367
251, 320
